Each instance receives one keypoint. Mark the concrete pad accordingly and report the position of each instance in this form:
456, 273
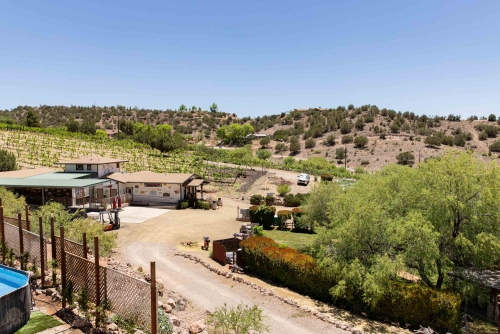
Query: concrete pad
139, 214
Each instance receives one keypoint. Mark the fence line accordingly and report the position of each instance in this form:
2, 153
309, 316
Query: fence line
128, 297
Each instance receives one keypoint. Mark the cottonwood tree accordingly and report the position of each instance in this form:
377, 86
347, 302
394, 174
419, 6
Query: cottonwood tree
441, 217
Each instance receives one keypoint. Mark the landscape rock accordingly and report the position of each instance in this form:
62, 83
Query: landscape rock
175, 321
50, 291
80, 323
171, 302
167, 308
112, 327
197, 327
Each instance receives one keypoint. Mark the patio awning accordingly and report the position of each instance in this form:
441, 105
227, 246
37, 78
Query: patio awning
196, 183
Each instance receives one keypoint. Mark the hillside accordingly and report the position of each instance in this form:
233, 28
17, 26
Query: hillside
320, 131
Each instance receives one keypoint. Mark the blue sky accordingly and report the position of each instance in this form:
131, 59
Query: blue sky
253, 57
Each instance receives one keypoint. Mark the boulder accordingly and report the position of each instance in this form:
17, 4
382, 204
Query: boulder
197, 327
175, 321
171, 302
112, 327
80, 323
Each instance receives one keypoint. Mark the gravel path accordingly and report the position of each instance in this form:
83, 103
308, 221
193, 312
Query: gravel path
207, 290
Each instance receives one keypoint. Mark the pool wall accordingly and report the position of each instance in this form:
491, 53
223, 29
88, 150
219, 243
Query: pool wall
15, 306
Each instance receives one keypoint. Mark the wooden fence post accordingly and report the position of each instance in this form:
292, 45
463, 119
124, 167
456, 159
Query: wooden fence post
2, 232
42, 250
97, 279
84, 245
63, 267
26, 210
154, 300
21, 244
52, 239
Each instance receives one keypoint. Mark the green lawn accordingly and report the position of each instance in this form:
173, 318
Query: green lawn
291, 239
39, 321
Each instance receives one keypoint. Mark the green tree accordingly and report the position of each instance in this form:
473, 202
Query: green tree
426, 221
214, 108
263, 154
32, 119
73, 125
294, 144
182, 108
264, 141
88, 127
360, 141
492, 118
7, 161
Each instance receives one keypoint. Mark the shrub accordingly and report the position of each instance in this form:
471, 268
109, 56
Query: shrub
258, 230
283, 189
256, 199
460, 140
412, 304
340, 153
283, 215
360, 141
432, 141
280, 147
347, 139
330, 140
359, 170
238, 320
483, 136
294, 144
365, 162
345, 127
382, 136
326, 177
310, 143
294, 200
7, 161
262, 215
269, 200
492, 118
203, 205
183, 205
495, 146
405, 158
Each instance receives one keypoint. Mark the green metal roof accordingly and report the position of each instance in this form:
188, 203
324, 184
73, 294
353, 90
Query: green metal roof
54, 180
63, 176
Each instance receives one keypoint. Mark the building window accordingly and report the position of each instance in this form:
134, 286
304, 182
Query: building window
117, 165
89, 167
79, 167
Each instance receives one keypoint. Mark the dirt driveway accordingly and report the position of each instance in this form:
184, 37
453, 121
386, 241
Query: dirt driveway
159, 238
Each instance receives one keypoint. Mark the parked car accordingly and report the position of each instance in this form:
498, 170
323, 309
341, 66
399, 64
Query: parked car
303, 179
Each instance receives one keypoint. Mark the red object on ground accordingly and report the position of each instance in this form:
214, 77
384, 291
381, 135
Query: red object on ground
114, 203
119, 201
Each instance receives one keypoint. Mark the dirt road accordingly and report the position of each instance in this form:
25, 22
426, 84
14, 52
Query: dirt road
206, 290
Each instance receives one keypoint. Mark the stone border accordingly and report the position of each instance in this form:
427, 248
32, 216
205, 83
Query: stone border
268, 292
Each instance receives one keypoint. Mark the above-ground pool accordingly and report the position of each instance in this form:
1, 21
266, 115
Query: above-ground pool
15, 299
